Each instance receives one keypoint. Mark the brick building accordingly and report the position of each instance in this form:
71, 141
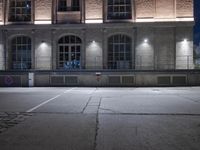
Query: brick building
96, 42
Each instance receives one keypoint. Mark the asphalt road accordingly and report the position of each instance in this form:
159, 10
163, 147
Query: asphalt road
100, 118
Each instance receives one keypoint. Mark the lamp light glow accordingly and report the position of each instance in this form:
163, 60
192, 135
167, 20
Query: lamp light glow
185, 40
145, 40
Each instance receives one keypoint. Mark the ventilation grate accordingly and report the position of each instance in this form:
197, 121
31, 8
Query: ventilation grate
164, 80
71, 80
128, 80
179, 80
114, 80
57, 80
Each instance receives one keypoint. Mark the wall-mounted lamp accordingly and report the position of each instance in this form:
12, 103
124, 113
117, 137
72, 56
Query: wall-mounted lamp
185, 40
145, 40
42, 41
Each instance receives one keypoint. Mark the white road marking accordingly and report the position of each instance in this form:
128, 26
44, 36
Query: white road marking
47, 101
69, 90
94, 90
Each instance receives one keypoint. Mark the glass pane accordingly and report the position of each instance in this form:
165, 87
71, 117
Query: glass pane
119, 9
20, 10
71, 52
121, 52
21, 53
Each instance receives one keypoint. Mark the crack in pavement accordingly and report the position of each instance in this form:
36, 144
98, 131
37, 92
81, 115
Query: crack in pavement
97, 126
86, 104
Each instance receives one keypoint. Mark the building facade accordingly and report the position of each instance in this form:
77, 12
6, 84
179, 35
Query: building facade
96, 42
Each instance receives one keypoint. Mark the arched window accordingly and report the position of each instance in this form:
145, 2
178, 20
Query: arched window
119, 9
119, 52
20, 11
69, 52
21, 53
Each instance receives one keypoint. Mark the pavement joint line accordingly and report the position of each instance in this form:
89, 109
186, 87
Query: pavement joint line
187, 98
47, 101
133, 114
109, 110
151, 114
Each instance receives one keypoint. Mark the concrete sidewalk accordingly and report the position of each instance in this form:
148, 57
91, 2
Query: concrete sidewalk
100, 119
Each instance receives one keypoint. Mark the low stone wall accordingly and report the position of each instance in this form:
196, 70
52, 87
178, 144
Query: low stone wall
14, 79
102, 79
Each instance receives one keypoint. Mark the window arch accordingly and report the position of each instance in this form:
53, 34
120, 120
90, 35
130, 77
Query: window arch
119, 9
69, 52
20, 11
21, 53
119, 52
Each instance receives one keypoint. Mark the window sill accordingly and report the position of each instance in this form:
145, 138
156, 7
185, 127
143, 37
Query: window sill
68, 12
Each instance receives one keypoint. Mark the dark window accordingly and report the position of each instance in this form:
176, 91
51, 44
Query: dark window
119, 52
68, 5
75, 5
119, 9
20, 11
21, 53
69, 52
62, 5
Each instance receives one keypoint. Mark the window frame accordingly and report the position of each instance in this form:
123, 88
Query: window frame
119, 6
21, 8
119, 51
67, 52
21, 53
69, 8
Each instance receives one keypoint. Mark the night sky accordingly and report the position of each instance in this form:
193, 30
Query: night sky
197, 22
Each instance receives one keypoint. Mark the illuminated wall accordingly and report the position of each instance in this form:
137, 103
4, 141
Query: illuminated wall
43, 49
94, 50
2, 56
93, 11
43, 11
1, 11
164, 10
184, 8
144, 53
145, 8
184, 48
